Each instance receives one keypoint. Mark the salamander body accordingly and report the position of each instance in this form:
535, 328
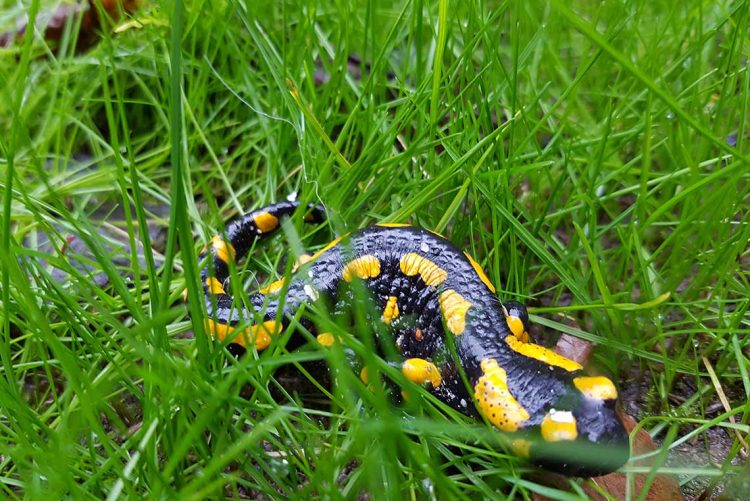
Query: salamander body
425, 290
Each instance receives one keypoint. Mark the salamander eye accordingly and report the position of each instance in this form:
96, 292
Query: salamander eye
517, 319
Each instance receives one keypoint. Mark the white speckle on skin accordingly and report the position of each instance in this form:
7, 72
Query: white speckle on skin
424, 247
561, 416
463, 402
311, 293
309, 273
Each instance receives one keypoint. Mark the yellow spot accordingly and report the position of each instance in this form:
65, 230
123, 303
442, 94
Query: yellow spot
478, 269
393, 225
390, 311
558, 426
265, 221
542, 354
363, 375
214, 286
412, 263
328, 246
259, 334
223, 250
454, 308
420, 371
516, 327
326, 339
521, 447
363, 267
273, 286
495, 400
598, 387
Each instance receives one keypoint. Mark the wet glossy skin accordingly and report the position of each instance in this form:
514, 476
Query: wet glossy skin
425, 290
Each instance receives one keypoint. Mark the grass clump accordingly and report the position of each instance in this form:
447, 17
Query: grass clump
593, 157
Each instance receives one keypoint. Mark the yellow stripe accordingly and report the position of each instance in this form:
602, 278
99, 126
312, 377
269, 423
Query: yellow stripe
363, 267
596, 387
391, 310
454, 308
542, 354
329, 246
412, 263
265, 221
393, 225
273, 286
480, 272
494, 399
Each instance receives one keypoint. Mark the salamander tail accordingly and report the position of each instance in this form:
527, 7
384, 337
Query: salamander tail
240, 236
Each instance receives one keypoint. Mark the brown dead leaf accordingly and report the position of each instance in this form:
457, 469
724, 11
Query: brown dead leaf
52, 22
574, 348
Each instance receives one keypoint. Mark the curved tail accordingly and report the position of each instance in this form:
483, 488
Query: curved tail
241, 234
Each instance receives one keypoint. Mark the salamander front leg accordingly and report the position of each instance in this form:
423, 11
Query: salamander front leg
421, 371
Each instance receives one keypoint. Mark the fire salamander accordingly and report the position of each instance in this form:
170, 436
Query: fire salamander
425, 291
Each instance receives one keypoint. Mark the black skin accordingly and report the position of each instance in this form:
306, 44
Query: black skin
536, 385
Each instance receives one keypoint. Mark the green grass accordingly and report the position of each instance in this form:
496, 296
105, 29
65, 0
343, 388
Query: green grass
579, 151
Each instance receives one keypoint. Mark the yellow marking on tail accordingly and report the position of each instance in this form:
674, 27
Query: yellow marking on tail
265, 221
223, 250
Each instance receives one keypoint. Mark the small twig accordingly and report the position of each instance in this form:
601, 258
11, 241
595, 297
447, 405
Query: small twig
725, 403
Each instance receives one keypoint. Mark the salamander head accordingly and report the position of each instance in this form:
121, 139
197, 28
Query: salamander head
561, 420
587, 439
